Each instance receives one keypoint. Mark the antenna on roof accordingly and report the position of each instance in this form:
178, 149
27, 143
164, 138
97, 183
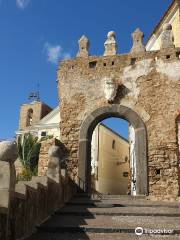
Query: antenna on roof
35, 96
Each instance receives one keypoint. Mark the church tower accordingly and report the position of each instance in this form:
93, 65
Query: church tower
32, 113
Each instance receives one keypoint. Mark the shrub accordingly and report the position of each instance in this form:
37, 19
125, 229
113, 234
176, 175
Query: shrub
28, 151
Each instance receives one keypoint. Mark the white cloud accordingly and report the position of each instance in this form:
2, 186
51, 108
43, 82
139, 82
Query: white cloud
55, 53
22, 3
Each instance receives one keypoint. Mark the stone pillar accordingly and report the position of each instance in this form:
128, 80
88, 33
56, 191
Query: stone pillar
167, 38
54, 164
8, 154
83, 47
110, 44
138, 46
54, 176
44, 156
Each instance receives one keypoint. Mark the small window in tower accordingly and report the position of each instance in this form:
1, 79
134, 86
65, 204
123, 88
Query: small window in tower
113, 144
112, 63
29, 117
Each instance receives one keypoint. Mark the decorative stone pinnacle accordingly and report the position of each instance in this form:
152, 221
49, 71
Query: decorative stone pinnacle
167, 38
138, 46
110, 44
83, 47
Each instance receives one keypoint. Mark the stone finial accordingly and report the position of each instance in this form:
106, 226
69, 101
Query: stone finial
167, 38
110, 44
83, 47
138, 46
8, 154
8, 151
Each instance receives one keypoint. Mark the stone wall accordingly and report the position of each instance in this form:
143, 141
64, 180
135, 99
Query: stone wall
148, 84
44, 157
34, 201
26, 204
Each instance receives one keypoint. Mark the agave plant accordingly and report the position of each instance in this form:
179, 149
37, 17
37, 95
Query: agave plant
28, 151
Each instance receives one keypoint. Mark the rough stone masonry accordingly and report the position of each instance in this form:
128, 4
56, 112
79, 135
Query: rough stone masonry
148, 84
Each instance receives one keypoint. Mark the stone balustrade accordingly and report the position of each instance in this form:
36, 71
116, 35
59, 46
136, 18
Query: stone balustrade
26, 204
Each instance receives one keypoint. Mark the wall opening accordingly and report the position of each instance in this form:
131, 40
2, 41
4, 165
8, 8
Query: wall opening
111, 170
137, 148
92, 64
29, 117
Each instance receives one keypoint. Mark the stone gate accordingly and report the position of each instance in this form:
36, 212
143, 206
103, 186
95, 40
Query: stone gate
141, 87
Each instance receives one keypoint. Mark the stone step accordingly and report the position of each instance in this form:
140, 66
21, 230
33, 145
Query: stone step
120, 203
104, 196
84, 218
98, 236
97, 230
119, 211
127, 197
101, 223
132, 199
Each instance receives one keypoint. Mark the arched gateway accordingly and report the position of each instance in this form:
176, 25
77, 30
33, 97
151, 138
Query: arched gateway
86, 131
141, 87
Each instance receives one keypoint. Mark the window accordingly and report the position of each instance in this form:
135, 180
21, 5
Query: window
126, 158
96, 173
43, 134
29, 117
92, 64
178, 55
113, 144
158, 171
133, 61
125, 174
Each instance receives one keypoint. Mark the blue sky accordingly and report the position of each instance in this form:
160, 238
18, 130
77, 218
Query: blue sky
35, 34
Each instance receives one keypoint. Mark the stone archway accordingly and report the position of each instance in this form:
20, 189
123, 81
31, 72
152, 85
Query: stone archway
87, 129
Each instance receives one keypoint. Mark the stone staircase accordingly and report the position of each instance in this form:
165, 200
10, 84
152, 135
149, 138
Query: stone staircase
113, 217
